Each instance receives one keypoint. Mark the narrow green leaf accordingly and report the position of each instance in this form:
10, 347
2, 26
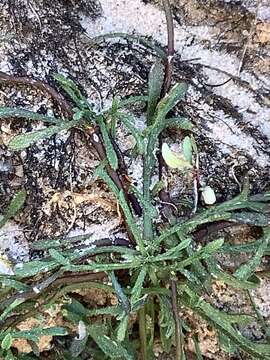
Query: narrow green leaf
240, 319
130, 220
23, 141
249, 247
147, 206
109, 347
178, 122
60, 242
13, 208
7, 112
213, 246
101, 172
246, 270
136, 38
109, 310
122, 298
126, 120
123, 103
138, 286
215, 318
110, 152
56, 255
261, 197
155, 82
226, 343
7, 342
204, 253
207, 216
72, 90
10, 308
228, 278
122, 329
13, 284
35, 333
171, 99
157, 188
166, 322
140, 303
174, 252
76, 307
34, 267
255, 219
97, 267
187, 149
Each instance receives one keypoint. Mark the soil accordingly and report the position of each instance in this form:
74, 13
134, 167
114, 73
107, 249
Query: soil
222, 52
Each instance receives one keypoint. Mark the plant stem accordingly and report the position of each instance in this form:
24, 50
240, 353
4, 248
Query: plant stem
170, 46
178, 330
167, 80
142, 331
148, 167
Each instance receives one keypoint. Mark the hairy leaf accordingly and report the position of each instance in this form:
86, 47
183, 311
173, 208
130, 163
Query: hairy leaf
126, 120
155, 82
23, 141
14, 207
109, 347
255, 219
187, 149
138, 286
7, 342
246, 270
58, 257
178, 122
110, 152
7, 112
122, 329
122, 298
214, 317
72, 90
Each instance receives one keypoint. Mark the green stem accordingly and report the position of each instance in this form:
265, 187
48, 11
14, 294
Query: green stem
148, 168
142, 331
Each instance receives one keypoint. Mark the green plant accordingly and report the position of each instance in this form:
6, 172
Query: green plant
165, 269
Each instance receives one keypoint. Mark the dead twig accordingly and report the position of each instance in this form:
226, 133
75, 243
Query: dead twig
238, 80
170, 47
249, 39
164, 194
43, 86
178, 329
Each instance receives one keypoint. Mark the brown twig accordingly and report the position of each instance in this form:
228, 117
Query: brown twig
170, 47
249, 39
238, 80
178, 330
164, 194
25, 80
